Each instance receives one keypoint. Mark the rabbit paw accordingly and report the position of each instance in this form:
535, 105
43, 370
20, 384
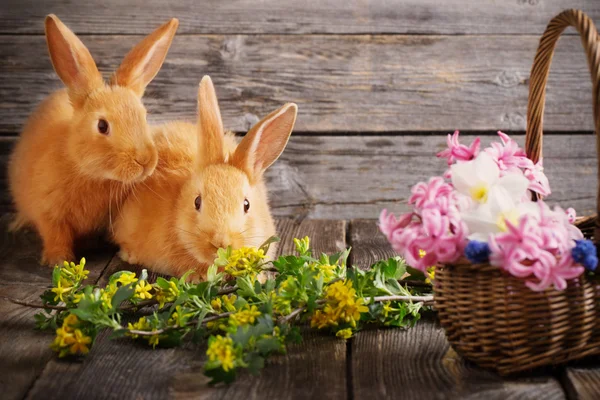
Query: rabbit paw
127, 256
52, 258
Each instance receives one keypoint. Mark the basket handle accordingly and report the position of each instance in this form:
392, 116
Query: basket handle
539, 76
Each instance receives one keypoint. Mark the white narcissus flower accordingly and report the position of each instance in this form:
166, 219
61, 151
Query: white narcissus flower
476, 178
502, 206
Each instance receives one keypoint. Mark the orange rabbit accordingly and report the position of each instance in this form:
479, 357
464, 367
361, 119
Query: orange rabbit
207, 192
84, 146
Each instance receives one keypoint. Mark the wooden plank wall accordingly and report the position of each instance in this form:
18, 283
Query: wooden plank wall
378, 84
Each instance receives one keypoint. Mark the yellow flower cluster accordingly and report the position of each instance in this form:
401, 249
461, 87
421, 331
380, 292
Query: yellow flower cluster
245, 261
127, 278
323, 270
166, 296
343, 306
344, 333
106, 295
70, 339
302, 245
221, 349
71, 275
179, 317
245, 316
281, 301
143, 325
142, 290
430, 274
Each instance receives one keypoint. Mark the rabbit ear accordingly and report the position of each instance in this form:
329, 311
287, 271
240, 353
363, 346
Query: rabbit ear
143, 62
265, 142
72, 61
210, 125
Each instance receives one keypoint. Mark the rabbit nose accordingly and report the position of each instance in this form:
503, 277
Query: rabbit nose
220, 241
143, 158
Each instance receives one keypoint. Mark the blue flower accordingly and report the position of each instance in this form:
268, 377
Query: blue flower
477, 252
584, 253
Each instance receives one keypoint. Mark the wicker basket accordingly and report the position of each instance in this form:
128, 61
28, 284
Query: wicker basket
491, 317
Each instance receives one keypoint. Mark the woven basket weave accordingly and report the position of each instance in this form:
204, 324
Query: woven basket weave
491, 317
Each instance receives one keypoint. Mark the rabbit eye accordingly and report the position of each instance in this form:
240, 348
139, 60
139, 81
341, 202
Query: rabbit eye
246, 205
103, 126
198, 203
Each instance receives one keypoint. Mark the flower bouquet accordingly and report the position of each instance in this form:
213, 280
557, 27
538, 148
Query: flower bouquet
514, 282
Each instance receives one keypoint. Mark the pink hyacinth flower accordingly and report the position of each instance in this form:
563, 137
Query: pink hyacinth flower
554, 271
538, 181
459, 152
388, 222
424, 194
508, 155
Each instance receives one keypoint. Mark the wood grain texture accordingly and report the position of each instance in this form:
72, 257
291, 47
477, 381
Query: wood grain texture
356, 177
342, 83
369, 245
419, 364
20, 253
582, 383
24, 351
120, 369
289, 16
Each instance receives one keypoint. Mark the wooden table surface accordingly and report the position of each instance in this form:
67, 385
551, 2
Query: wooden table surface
417, 363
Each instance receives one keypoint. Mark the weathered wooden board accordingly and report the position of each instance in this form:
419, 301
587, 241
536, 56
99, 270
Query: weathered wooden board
342, 83
369, 245
418, 363
357, 177
23, 351
582, 383
289, 16
120, 369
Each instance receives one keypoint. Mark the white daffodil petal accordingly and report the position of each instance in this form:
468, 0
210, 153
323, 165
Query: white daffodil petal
480, 222
500, 200
486, 169
515, 184
462, 177
530, 208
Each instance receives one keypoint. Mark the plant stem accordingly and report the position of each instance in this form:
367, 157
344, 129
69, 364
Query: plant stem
33, 305
170, 328
228, 290
415, 299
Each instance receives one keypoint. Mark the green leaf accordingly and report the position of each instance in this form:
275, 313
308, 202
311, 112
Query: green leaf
118, 333
212, 273
48, 298
83, 314
218, 375
265, 246
415, 274
255, 363
162, 283
123, 293
257, 287
55, 276
173, 338
268, 345
246, 288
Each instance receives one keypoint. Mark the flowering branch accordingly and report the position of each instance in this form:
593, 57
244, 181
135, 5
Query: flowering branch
33, 305
414, 299
256, 317
190, 323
